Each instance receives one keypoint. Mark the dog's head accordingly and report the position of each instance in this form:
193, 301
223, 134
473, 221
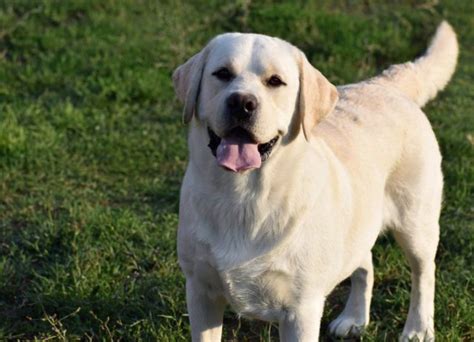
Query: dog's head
248, 90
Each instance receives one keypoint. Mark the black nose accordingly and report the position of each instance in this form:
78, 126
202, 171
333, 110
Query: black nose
242, 106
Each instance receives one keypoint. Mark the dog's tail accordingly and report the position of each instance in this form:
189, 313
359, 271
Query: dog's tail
421, 79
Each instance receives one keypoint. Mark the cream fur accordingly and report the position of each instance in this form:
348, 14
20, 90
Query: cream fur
275, 241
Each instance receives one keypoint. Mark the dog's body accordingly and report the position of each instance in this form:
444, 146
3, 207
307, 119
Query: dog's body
274, 239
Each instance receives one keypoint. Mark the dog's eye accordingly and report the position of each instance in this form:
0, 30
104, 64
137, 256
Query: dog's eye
275, 81
223, 74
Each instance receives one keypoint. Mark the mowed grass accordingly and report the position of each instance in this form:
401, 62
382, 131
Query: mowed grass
92, 151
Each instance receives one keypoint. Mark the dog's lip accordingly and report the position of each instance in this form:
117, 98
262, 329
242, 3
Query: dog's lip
264, 149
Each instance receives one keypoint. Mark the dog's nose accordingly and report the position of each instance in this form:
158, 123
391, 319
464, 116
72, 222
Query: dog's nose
242, 106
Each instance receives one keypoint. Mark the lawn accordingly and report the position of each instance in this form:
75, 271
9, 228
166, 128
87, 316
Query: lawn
92, 151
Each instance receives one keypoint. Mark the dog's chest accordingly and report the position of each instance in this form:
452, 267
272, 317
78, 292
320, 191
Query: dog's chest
246, 239
259, 290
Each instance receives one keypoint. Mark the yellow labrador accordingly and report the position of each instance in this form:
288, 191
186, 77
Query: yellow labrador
290, 181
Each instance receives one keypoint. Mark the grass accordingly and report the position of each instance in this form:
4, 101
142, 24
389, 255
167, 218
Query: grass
92, 151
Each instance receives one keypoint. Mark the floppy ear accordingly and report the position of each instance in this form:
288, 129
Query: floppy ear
317, 97
187, 81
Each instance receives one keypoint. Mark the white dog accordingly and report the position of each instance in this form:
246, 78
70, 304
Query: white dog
290, 181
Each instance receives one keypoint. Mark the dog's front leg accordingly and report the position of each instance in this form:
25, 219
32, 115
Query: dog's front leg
302, 324
205, 312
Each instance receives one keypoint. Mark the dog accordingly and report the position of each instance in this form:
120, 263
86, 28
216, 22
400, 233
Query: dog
291, 180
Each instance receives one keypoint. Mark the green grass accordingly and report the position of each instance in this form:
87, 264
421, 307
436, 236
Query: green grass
92, 151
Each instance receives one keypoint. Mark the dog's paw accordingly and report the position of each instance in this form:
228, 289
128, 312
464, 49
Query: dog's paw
347, 326
426, 335
418, 330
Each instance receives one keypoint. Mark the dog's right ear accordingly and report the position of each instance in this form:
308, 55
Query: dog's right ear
187, 81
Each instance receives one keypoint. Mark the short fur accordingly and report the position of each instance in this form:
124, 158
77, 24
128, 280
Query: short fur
273, 242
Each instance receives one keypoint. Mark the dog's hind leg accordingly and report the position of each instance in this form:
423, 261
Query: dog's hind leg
355, 315
420, 248
417, 234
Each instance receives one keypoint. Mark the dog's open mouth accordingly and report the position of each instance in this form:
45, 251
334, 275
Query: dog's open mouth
238, 151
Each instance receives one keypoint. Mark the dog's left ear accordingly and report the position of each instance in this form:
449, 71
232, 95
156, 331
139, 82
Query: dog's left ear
317, 97
187, 81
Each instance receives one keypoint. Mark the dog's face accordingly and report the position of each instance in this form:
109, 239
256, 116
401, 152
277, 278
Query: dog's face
248, 89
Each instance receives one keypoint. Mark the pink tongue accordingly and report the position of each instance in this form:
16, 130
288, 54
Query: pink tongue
238, 154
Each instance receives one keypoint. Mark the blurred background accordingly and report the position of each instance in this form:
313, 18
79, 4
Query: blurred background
92, 151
